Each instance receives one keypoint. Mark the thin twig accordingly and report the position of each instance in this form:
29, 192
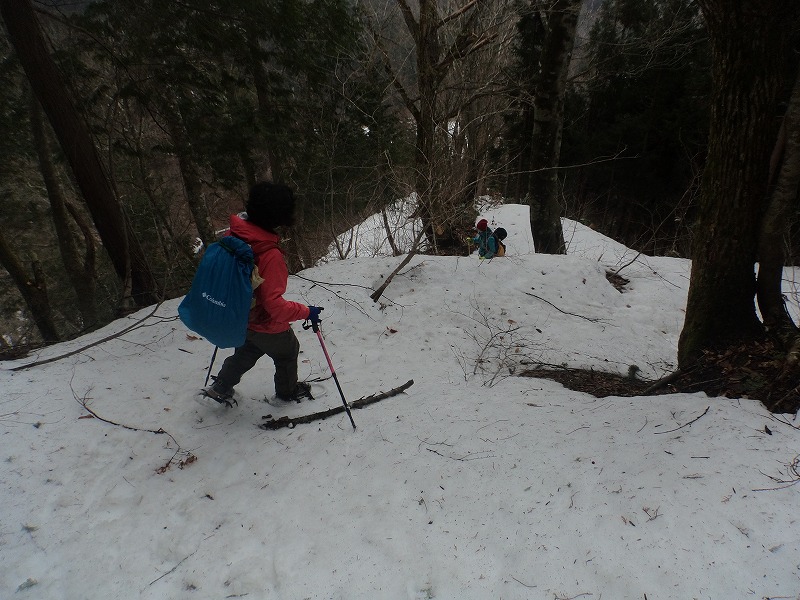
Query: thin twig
519, 582
685, 424
97, 343
173, 569
629, 263
794, 473
190, 458
564, 311
324, 284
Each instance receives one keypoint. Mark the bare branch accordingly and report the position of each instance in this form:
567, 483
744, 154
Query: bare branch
686, 424
408, 101
136, 325
411, 23
563, 311
270, 423
190, 458
414, 249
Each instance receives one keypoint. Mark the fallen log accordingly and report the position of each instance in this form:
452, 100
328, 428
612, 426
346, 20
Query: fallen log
270, 423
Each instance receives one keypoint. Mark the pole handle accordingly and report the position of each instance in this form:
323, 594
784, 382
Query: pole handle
312, 325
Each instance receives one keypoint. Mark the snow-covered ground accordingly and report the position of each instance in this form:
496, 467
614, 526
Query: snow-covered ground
473, 484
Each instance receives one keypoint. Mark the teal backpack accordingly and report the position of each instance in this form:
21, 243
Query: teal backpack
217, 306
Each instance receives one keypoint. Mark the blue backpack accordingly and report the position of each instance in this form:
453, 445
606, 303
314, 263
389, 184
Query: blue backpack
217, 306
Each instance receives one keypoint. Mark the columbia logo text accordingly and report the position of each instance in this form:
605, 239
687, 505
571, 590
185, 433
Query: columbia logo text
213, 300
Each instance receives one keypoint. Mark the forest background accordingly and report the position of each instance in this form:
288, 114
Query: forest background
129, 130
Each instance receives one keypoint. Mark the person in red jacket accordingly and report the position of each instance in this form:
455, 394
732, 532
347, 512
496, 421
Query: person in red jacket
269, 206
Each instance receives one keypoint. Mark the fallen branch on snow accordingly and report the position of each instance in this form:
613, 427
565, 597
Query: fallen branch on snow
685, 424
564, 311
793, 469
190, 458
135, 325
376, 295
290, 422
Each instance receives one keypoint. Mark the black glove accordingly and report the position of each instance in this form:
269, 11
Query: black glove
313, 314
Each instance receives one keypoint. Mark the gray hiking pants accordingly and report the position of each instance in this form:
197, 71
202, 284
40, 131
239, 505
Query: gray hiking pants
282, 348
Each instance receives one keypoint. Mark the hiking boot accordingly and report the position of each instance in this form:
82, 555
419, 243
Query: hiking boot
225, 398
302, 391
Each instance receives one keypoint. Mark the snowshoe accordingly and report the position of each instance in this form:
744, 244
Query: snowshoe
226, 399
302, 391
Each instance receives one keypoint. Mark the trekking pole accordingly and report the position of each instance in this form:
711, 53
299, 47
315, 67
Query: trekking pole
315, 328
213, 358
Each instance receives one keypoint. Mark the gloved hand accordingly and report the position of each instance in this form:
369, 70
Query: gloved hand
313, 314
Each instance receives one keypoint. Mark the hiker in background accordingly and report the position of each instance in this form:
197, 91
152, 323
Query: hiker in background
481, 240
490, 243
269, 206
495, 245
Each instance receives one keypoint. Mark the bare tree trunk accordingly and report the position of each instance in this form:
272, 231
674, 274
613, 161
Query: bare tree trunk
775, 228
80, 271
520, 178
389, 233
749, 46
428, 55
543, 192
296, 250
384, 183
126, 255
160, 216
435, 59
472, 144
190, 172
33, 290
265, 111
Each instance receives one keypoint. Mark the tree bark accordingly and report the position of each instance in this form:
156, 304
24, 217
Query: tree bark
80, 271
190, 172
548, 122
33, 290
749, 46
389, 233
75, 138
266, 113
773, 238
428, 55
440, 217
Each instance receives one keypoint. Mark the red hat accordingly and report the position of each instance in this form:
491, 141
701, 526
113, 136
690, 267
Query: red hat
482, 225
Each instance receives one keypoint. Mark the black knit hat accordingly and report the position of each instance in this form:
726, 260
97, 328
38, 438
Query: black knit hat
500, 233
270, 205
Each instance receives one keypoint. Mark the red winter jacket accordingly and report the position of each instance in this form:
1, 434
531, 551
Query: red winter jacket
272, 313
